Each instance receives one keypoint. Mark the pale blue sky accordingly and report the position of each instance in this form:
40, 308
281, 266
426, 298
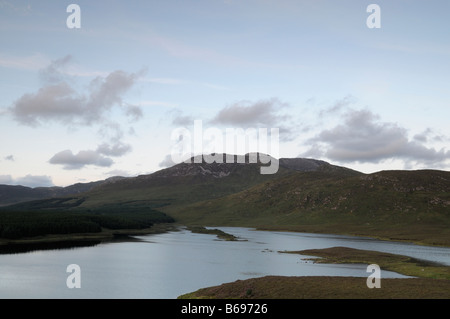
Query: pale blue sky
84, 104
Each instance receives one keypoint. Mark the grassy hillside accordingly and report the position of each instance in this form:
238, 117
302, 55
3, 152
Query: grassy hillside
182, 184
175, 187
11, 194
401, 205
401, 264
131, 203
305, 195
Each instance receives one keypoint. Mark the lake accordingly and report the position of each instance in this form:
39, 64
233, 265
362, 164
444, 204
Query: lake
164, 266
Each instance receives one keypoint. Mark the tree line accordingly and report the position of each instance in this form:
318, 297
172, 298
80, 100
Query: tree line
21, 224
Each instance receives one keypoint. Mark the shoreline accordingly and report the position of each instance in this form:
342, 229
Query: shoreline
318, 230
346, 233
428, 280
77, 239
109, 235
323, 287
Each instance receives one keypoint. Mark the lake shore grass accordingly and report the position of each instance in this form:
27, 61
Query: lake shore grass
432, 281
322, 287
405, 265
423, 235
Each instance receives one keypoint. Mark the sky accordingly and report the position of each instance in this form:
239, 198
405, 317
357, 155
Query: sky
95, 93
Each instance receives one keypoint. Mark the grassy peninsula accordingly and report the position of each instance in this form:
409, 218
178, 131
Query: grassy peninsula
401, 264
431, 281
219, 233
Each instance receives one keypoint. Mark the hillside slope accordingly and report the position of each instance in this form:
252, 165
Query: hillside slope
178, 186
12, 194
304, 195
403, 205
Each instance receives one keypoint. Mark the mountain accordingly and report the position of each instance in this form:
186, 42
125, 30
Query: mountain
177, 185
12, 194
305, 195
186, 183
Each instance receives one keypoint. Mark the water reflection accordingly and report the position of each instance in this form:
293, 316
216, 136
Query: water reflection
170, 264
29, 247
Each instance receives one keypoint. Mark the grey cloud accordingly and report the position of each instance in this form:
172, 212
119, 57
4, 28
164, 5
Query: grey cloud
28, 180
81, 159
10, 158
118, 172
6, 179
59, 101
52, 73
167, 162
35, 181
52, 102
243, 113
99, 157
338, 106
421, 137
264, 113
246, 114
183, 120
117, 149
179, 119
429, 135
134, 112
111, 130
364, 138
107, 92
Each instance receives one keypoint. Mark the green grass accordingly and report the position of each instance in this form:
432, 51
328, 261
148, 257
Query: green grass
401, 264
407, 206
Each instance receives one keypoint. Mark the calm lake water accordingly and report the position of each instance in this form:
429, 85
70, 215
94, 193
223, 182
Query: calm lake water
170, 264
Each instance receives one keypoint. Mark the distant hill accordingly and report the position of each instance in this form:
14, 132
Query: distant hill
304, 195
12, 194
177, 185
